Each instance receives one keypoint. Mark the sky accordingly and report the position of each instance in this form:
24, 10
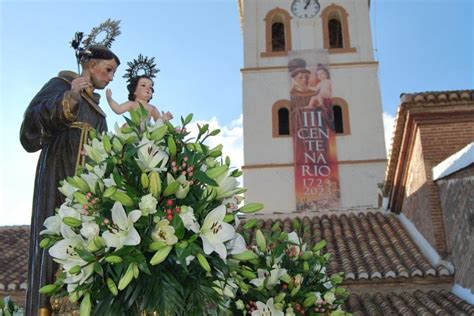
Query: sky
421, 45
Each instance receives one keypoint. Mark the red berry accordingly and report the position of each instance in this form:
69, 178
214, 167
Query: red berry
190, 174
169, 202
173, 163
185, 158
190, 168
183, 173
169, 217
169, 211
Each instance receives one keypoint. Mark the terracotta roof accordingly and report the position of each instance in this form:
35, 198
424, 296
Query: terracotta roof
14, 243
365, 246
432, 302
425, 100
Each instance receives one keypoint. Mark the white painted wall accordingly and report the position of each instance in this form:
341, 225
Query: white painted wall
275, 186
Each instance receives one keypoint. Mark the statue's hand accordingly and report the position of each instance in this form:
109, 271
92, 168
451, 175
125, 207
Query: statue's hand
77, 85
108, 94
166, 116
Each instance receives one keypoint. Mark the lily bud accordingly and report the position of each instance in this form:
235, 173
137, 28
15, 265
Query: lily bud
109, 192
79, 197
136, 271
171, 188
161, 255
144, 180
112, 286
48, 289
71, 221
251, 208
246, 255
157, 245
307, 255
261, 242
85, 309
172, 146
229, 218
203, 262
155, 184
113, 259
250, 223
122, 198
309, 301
126, 278
81, 184
248, 274
280, 297
117, 145
159, 133
215, 172
107, 144
44, 243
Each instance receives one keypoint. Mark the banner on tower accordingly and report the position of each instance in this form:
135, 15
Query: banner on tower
312, 127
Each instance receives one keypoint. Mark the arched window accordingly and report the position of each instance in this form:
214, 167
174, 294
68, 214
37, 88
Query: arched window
277, 33
340, 109
283, 121
338, 119
336, 30
281, 124
335, 33
278, 37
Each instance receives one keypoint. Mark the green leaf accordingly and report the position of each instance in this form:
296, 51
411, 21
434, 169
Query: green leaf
98, 269
188, 119
178, 225
202, 177
85, 255
130, 151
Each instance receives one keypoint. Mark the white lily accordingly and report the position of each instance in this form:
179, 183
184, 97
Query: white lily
215, 232
226, 288
96, 151
188, 218
67, 189
121, 135
293, 238
99, 170
148, 204
267, 309
272, 278
227, 186
91, 180
110, 182
164, 232
329, 297
150, 156
64, 250
237, 244
122, 233
55, 225
89, 230
184, 185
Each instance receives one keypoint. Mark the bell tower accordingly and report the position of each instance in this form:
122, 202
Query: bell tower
273, 31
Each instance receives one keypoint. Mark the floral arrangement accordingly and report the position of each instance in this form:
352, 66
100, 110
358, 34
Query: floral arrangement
148, 222
285, 277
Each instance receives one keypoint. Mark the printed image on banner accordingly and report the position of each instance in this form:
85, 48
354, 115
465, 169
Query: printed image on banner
314, 138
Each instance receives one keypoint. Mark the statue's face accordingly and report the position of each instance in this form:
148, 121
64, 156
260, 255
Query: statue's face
144, 90
102, 72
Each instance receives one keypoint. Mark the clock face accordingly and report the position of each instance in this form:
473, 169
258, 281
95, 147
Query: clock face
305, 8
